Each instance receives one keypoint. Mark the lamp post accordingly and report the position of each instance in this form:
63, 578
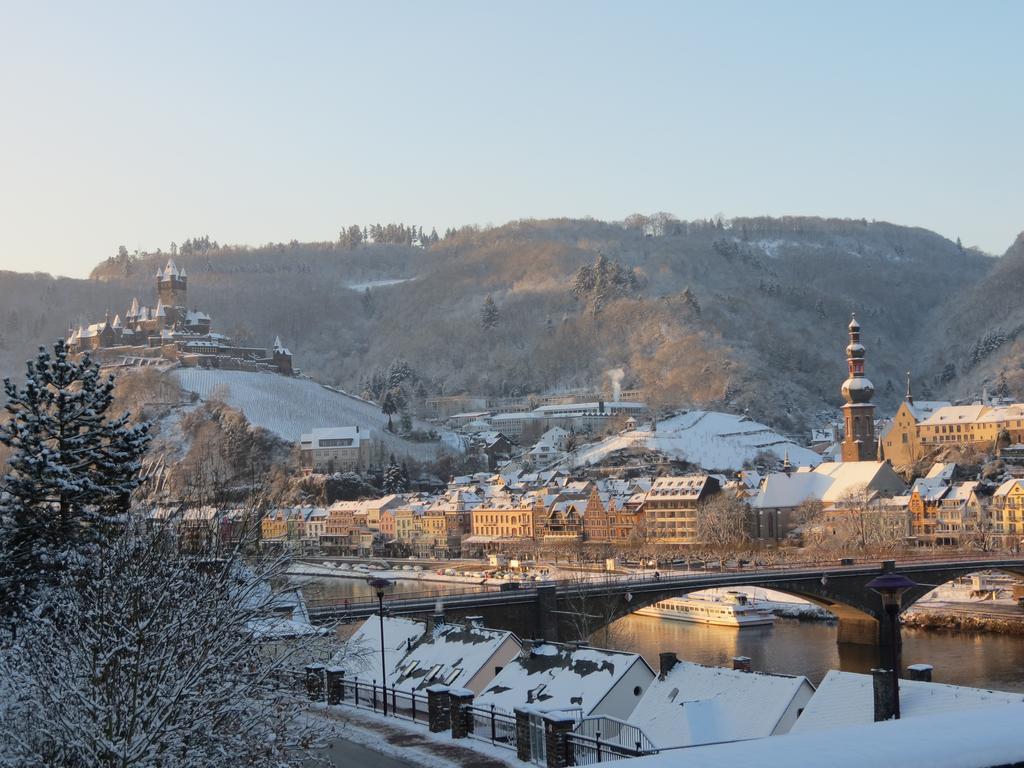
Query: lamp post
890, 587
380, 586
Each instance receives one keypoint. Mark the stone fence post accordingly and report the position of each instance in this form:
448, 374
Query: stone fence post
335, 685
557, 727
439, 708
462, 719
523, 735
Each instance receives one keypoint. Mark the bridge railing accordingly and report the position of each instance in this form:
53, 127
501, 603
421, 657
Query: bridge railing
362, 606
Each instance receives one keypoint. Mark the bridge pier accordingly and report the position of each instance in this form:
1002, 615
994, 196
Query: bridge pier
858, 630
547, 616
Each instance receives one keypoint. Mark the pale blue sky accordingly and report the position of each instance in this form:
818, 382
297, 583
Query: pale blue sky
146, 122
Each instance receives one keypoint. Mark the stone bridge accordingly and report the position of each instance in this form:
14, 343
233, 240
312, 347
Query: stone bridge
574, 610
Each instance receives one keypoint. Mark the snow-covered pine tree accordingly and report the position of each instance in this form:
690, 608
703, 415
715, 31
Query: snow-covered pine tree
72, 471
394, 481
489, 314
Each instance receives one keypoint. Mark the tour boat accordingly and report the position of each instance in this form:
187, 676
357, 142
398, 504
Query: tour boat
729, 610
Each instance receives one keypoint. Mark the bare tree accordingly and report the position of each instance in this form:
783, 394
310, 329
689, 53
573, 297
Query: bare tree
157, 659
722, 523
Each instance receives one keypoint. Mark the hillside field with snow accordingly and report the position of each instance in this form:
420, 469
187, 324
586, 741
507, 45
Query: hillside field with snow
711, 440
289, 406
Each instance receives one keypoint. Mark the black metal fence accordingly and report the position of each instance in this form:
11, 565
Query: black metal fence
408, 705
603, 739
492, 725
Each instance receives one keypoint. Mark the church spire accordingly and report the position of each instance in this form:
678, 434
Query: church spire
909, 397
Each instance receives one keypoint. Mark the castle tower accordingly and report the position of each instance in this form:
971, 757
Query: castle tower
172, 286
858, 414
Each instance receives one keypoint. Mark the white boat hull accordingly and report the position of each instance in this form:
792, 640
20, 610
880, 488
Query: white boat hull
708, 612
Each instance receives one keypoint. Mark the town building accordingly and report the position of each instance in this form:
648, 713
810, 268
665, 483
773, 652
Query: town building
900, 443
336, 449
670, 507
1007, 512
840, 485
171, 332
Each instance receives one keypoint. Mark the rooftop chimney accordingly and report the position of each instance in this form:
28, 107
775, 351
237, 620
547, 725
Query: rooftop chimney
742, 663
884, 709
666, 660
476, 622
920, 672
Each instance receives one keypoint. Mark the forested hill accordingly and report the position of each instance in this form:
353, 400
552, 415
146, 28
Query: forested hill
749, 314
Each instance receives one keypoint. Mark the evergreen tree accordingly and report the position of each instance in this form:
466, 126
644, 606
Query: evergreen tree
72, 470
1002, 386
489, 314
389, 408
394, 482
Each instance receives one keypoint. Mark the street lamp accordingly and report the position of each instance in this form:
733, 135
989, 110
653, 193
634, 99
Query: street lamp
380, 586
890, 587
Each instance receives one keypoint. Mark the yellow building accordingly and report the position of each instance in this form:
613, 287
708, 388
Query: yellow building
1007, 514
503, 523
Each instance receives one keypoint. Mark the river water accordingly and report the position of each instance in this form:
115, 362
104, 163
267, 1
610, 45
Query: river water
790, 646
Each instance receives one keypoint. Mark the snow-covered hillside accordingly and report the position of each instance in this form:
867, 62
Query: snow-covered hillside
290, 406
712, 440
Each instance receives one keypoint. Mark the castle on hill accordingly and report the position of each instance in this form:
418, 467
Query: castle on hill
171, 332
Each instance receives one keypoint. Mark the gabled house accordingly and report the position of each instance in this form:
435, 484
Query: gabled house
459, 655
690, 704
552, 676
359, 656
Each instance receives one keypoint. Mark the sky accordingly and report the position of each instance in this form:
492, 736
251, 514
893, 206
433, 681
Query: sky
141, 123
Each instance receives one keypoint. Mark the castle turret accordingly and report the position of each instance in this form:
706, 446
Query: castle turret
858, 413
172, 286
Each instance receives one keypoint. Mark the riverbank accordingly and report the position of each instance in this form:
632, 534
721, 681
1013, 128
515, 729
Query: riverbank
996, 619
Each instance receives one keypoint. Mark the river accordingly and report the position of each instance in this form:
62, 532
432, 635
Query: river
790, 646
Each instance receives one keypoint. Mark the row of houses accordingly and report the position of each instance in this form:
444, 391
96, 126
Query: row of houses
679, 704
536, 511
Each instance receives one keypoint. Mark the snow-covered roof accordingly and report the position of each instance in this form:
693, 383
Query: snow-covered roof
552, 677
942, 471
333, 437
694, 704
972, 739
451, 654
929, 489
830, 482
608, 406
1007, 485
955, 414
922, 409
709, 439
847, 698
359, 656
678, 487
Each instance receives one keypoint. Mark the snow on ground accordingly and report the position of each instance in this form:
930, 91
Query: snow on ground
377, 283
412, 743
712, 440
289, 406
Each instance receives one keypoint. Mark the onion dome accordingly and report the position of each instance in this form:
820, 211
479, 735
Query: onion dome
858, 389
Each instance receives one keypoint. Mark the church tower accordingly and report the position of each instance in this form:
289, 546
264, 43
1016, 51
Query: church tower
858, 414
